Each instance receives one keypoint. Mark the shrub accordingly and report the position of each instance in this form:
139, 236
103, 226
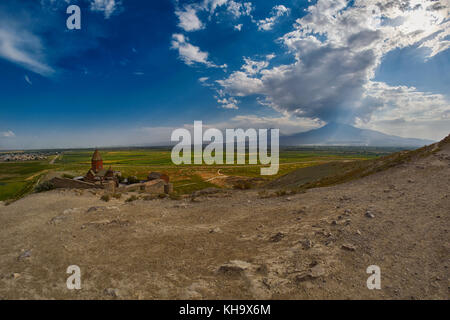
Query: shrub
174, 196
117, 195
243, 185
44, 186
105, 198
162, 195
263, 194
132, 180
281, 193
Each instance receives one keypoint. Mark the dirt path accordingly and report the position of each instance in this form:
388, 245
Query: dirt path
55, 158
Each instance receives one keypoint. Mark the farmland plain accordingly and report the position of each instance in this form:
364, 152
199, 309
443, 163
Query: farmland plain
19, 178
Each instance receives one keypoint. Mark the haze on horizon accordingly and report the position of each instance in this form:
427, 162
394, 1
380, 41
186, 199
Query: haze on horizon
136, 71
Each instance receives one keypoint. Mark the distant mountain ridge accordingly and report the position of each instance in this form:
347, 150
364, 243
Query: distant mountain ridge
334, 134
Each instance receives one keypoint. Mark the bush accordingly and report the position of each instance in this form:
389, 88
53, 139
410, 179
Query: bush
105, 198
263, 194
174, 196
133, 180
162, 195
281, 193
44, 186
243, 185
117, 195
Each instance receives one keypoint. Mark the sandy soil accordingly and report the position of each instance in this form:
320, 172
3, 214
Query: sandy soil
236, 244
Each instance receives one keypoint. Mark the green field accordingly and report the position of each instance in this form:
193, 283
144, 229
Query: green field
19, 178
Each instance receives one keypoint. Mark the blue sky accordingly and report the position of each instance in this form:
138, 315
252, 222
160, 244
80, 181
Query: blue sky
139, 69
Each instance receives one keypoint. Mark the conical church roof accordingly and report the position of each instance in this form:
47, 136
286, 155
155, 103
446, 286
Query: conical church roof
96, 156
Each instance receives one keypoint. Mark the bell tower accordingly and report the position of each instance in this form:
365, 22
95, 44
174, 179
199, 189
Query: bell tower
96, 162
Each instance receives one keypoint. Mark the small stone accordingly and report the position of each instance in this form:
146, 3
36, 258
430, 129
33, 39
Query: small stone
92, 209
348, 247
234, 268
288, 199
57, 220
370, 215
112, 292
307, 244
215, 230
358, 232
314, 273
348, 211
317, 271
348, 222
410, 181
334, 222
24, 255
277, 237
15, 275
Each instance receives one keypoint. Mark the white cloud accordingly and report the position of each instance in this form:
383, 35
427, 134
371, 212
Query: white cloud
27, 79
203, 79
188, 19
189, 53
7, 134
108, 7
238, 9
188, 15
402, 102
228, 103
23, 48
254, 67
287, 124
337, 50
238, 27
277, 12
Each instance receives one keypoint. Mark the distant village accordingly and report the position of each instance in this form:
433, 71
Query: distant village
25, 156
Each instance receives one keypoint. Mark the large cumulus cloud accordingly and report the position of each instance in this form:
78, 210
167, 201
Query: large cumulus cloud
337, 48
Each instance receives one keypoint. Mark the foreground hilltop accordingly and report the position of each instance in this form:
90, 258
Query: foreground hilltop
314, 244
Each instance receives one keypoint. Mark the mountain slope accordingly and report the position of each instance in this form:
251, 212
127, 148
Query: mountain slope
342, 134
339, 172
